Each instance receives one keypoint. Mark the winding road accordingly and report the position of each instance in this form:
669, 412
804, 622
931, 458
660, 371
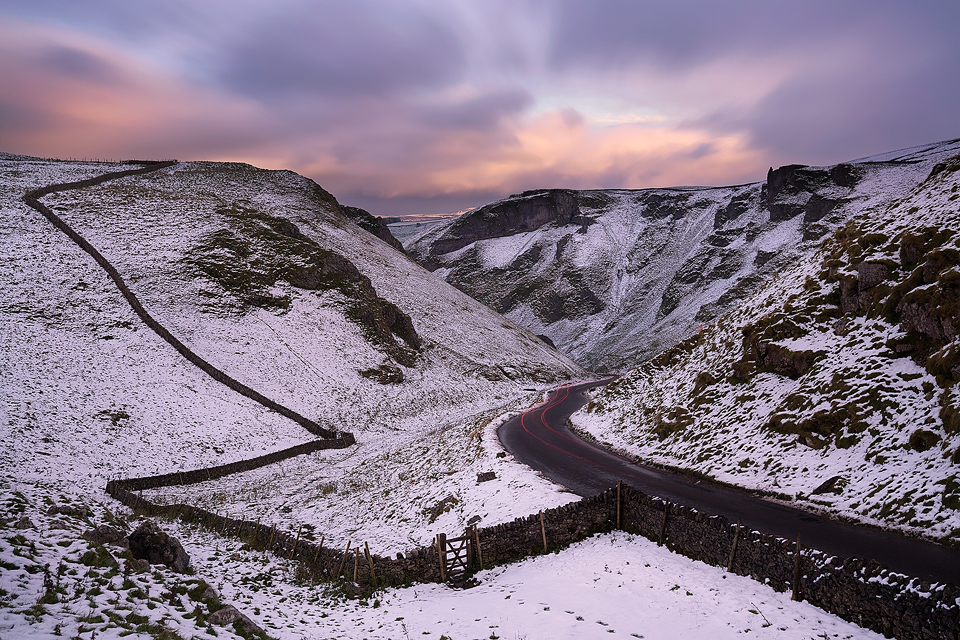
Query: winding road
540, 438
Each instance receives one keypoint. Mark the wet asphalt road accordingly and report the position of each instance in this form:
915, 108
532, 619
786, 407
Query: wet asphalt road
539, 438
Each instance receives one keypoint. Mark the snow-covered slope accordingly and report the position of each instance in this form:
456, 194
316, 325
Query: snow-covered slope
88, 393
844, 368
613, 277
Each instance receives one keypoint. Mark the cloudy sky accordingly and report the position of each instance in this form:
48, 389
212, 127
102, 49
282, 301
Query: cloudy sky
433, 106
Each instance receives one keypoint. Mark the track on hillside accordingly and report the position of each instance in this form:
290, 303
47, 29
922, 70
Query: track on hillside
540, 438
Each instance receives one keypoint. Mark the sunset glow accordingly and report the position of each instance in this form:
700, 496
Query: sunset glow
436, 106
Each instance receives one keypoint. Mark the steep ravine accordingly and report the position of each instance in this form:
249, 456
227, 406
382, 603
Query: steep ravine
613, 277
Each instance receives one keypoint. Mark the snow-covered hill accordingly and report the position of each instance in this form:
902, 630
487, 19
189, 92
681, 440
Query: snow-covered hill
839, 374
613, 277
259, 273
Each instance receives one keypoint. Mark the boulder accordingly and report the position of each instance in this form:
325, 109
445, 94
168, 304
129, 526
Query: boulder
870, 274
230, 615
152, 544
105, 534
24, 523
828, 486
81, 512
210, 595
486, 476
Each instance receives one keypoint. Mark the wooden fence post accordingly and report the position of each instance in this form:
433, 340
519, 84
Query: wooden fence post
226, 520
476, 535
663, 525
295, 543
343, 560
619, 484
356, 562
543, 532
316, 556
733, 548
442, 555
272, 533
240, 526
797, 596
366, 550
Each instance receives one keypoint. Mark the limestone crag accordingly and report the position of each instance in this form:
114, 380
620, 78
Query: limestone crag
520, 213
614, 277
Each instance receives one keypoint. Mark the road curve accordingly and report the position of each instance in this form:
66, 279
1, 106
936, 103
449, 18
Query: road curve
540, 438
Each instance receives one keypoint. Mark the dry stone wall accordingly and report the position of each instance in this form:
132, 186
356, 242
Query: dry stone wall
212, 473
863, 592
32, 199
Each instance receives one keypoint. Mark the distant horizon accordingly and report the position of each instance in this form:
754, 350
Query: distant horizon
435, 106
412, 216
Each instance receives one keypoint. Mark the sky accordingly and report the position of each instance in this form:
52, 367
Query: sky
429, 106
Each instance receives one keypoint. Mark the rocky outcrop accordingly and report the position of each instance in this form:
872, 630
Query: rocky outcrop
778, 359
230, 615
257, 250
739, 204
149, 542
794, 189
374, 224
629, 273
105, 534
520, 213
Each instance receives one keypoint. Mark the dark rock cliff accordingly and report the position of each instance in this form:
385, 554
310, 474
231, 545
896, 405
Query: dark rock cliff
527, 211
614, 276
374, 224
796, 189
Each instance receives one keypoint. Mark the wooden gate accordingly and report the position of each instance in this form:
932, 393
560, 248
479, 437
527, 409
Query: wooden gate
456, 557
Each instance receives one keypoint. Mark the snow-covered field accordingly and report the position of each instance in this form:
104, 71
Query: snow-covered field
89, 393
871, 408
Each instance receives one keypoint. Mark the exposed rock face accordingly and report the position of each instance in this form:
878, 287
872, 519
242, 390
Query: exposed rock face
527, 211
374, 224
259, 250
614, 277
779, 359
870, 274
796, 188
154, 545
81, 512
739, 205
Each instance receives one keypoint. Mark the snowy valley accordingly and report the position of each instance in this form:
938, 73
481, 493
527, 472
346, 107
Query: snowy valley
777, 335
